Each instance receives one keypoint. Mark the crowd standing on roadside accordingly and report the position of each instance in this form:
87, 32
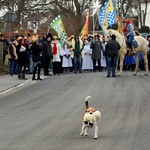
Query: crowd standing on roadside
29, 54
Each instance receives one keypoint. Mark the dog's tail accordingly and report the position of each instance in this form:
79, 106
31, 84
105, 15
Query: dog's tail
86, 102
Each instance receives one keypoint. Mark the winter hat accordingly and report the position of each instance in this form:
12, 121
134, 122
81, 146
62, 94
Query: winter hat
128, 22
13, 39
113, 37
96, 35
49, 35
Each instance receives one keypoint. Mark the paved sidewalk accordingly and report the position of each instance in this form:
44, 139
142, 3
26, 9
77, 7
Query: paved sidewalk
8, 83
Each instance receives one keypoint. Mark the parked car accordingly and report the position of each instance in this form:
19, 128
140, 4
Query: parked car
145, 35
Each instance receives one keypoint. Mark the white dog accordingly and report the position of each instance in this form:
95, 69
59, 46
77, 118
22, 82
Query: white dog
90, 118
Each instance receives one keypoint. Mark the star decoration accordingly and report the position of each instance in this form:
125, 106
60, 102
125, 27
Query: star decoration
95, 6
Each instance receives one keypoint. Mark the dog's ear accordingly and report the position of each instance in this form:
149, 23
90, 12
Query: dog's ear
88, 109
93, 109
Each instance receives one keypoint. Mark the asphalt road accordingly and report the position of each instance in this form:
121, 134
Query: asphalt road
46, 115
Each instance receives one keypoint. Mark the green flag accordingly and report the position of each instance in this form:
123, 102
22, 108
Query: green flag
58, 26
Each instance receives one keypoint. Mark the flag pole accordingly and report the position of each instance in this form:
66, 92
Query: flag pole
121, 14
93, 25
48, 30
95, 8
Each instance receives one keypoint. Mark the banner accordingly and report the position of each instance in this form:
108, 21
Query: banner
119, 26
107, 15
85, 29
58, 26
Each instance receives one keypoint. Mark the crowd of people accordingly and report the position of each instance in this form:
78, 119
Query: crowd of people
29, 54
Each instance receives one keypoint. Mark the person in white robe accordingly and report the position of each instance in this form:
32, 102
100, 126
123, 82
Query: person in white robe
103, 59
66, 61
87, 63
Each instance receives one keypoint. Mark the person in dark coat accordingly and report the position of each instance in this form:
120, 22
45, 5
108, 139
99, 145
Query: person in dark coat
96, 47
36, 57
41, 42
22, 58
47, 54
111, 53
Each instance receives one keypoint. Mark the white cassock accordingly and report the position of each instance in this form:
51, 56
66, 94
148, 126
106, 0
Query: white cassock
66, 62
103, 60
87, 62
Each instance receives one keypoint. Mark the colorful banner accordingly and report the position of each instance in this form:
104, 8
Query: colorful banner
58, 26
85, 29
107, 15
119, 26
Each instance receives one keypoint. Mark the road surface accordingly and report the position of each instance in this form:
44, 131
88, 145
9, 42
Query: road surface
46, 115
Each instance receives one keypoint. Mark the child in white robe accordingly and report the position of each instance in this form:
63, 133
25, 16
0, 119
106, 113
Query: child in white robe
87, 63
66, 61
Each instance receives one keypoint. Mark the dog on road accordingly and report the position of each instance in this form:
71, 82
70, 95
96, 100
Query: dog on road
90, 118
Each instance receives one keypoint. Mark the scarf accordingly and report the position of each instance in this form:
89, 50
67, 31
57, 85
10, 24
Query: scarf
55, 49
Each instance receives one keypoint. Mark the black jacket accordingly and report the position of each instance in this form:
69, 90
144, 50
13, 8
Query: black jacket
36, 50
112, 48
47, 49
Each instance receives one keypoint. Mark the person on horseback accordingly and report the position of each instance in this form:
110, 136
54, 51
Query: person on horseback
129, 33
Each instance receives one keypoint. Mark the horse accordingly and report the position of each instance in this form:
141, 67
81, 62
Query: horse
121, 39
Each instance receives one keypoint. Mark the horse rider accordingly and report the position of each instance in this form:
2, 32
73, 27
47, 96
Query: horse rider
129, 33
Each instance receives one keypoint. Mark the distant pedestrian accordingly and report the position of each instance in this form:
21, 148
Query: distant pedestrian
36, 57
12, 56
66, 60
41, 42
77, 55
47, 54
111, 53
22, 58
97, 47
57, 52
87, 63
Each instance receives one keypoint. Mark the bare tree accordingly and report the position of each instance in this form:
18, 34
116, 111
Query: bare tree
133, 8
143, 11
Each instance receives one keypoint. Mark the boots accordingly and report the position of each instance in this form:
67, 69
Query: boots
132, 49
33, 77
34, 72
23, 77
19, 76
39, 70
